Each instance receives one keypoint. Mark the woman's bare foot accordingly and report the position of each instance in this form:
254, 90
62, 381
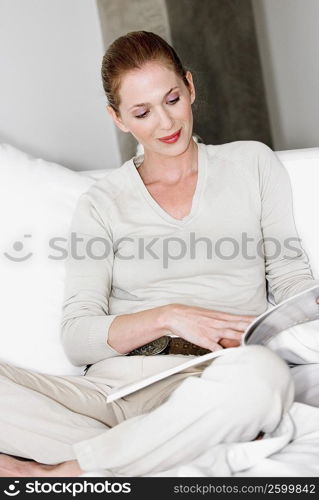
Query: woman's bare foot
66, 469
12, 467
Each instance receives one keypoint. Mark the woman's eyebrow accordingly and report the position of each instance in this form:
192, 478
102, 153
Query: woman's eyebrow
147, 103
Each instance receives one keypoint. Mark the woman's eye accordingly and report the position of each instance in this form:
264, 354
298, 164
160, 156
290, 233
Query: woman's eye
142, 115
173, 101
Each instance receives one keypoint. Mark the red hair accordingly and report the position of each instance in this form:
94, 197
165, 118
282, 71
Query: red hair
130, 52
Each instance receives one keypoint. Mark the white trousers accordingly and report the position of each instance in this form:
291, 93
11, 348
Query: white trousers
299, 346
237, 396
234, 398
228, 400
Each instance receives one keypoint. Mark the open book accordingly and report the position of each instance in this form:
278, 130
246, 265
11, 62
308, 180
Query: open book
300, 308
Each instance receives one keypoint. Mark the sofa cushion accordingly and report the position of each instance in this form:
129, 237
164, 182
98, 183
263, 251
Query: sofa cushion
36, 205
303, 168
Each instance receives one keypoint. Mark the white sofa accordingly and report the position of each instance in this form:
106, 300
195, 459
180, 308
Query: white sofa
36, 205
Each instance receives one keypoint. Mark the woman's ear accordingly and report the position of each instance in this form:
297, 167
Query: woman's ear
116, 119
191, 87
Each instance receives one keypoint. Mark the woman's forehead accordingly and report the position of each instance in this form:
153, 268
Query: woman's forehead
152, 81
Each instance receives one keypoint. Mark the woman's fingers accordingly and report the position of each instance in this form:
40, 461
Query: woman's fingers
209, 343
233, 325
226, 343
230, 334
228, 316
217, 347
212, 346
206, 328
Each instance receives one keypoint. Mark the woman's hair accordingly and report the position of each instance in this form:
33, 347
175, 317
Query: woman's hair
132, 51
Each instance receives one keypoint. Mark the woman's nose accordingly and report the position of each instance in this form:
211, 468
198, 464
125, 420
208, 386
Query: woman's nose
165, 120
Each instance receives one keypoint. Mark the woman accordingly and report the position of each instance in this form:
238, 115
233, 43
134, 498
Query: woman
163, 251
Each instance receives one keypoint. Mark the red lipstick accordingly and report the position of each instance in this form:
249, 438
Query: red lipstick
171, 138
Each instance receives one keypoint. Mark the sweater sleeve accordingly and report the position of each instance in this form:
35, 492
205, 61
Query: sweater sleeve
286, 264
88, 280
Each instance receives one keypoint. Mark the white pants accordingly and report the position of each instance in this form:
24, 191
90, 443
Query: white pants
237, 396
299, 346
52, 419
248, 390
231, 399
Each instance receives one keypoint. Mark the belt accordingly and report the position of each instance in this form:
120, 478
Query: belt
169, 345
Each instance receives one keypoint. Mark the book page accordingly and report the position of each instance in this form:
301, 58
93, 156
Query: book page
124, 390
299, 308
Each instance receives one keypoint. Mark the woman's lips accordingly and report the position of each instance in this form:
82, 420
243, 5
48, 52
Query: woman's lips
171, 138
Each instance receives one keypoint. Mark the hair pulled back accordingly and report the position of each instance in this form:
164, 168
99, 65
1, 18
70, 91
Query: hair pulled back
130, 52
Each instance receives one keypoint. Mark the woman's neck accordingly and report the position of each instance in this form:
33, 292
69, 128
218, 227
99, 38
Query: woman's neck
169, 169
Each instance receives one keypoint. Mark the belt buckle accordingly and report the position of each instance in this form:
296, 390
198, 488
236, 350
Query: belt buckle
152, 348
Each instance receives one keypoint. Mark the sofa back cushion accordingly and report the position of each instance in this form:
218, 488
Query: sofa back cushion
303, 168
36, 205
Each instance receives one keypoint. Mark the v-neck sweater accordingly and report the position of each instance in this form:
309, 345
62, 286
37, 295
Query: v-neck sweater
200, 184
236, 247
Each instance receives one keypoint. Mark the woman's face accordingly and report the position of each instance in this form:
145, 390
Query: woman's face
155, 104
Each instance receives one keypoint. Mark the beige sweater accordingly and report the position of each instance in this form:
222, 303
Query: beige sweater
132, 255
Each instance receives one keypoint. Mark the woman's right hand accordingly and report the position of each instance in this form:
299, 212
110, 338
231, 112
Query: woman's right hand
205, 327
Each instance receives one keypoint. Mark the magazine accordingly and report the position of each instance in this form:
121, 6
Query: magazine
300, 308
